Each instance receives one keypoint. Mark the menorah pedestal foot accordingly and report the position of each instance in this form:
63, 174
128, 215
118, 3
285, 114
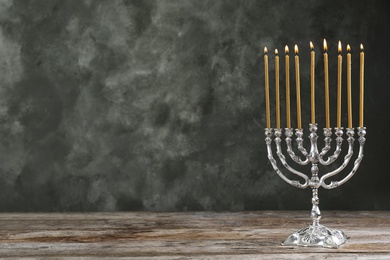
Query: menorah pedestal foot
318, 235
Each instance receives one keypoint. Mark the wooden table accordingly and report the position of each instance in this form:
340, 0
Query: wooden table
190, 235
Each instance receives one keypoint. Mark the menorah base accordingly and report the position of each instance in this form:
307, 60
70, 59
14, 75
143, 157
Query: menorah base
317, 235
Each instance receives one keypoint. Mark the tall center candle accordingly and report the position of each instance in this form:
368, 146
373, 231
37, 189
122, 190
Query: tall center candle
339, 74
312, 84
349, 94
298, 88
277, 96
326, 72
288, 114
267, 108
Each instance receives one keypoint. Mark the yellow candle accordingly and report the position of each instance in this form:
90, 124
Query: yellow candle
277, 97
288, 116
298, 88
361, 110
268, 115
349, 86
326, 72
312, 84
339, 74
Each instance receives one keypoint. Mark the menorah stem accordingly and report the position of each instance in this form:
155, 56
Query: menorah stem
315, 210
314, 184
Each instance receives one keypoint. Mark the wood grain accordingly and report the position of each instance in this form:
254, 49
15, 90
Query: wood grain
189, 235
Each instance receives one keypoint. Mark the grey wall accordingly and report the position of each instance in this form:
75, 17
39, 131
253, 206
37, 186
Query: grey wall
159, 105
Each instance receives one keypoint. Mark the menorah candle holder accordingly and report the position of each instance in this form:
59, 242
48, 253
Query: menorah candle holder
315, 234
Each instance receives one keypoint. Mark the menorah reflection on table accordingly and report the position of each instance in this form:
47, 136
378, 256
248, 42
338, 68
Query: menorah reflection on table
314, 234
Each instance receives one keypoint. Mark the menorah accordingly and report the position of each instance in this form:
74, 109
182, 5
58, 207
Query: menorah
315, 234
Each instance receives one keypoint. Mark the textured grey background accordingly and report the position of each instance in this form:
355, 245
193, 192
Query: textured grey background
158, 105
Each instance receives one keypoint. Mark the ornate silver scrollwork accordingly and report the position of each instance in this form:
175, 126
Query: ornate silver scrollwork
315, 234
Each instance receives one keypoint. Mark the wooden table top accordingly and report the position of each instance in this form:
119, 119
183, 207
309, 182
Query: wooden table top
187, 235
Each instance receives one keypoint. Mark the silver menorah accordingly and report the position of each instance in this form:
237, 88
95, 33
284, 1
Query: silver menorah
315, 234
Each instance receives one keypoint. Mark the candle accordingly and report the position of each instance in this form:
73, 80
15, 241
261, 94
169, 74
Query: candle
288, 116
326, 72
349, 86
277, 98
312, 84
298, 88
361, 110
339, 74
268, 115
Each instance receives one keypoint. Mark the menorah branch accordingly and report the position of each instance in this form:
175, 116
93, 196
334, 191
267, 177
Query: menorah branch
268, 140
299, 134
362, 140
328, 139
278, 140
289, 133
